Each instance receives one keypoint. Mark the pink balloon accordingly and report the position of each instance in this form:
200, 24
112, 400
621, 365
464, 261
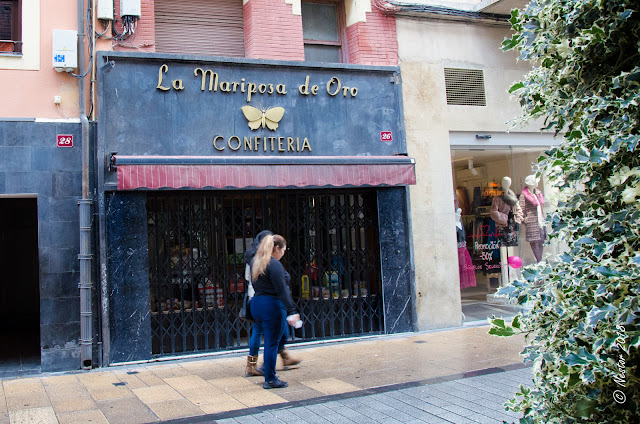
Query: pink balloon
514, 261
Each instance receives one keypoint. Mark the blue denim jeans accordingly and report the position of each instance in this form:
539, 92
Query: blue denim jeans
256, 337
269, 312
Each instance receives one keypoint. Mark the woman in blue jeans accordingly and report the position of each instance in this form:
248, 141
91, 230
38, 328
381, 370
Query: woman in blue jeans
252, 368
272, 306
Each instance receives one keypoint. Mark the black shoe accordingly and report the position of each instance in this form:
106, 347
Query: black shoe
275, 384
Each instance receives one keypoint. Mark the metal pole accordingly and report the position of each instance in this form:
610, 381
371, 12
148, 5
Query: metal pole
86, 339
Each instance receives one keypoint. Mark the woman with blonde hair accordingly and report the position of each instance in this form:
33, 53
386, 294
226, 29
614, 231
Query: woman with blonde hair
272, 302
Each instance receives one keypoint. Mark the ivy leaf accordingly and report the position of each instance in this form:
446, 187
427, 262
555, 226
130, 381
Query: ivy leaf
566, 258
500, 328
583, 155
597, 156
530, 274
502, 332
573, 360
625, 15
588, 376
599, 250
585, 407
516, 86
516, 322
596, 315
506, 291
585, 240
606, 271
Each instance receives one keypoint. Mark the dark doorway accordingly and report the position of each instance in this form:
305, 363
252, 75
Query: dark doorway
19, 287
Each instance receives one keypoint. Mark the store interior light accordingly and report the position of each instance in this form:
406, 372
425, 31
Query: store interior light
473, 170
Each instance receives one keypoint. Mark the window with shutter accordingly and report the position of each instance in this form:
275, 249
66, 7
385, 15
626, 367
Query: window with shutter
10, 26
208, 27
322, 32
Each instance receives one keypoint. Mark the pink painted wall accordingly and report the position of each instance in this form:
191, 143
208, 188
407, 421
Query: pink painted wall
29, 94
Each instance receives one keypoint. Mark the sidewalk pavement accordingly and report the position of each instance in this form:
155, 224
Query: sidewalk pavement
460, 375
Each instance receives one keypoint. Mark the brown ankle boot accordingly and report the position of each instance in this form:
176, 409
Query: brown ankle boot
288, 360
252, 367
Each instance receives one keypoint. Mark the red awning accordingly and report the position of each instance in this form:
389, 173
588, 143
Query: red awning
156, 172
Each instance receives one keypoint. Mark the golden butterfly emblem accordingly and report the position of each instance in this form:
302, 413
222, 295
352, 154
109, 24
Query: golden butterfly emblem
258, 117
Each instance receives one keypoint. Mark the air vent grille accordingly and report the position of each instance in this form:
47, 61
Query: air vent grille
465, 87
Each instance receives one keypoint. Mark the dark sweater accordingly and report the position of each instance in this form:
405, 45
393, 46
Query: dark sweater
275, 282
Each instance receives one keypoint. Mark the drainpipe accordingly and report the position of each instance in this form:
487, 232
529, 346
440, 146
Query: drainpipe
86, 339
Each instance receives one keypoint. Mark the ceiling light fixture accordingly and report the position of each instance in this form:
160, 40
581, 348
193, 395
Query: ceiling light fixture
473, 170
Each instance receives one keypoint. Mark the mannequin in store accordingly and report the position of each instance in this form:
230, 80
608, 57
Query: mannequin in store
465, 264
531, 202
506, 212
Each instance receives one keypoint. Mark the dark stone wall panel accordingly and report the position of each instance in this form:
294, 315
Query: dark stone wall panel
53, 360
54, 158
29, 182
397, 275
31, 163
130, 322
52, 234
60, 336
62, 210
63, 284
64, 182
56, 260
14, 158
60, 310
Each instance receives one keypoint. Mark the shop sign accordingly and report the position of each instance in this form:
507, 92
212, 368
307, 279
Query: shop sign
240, 107
213, 82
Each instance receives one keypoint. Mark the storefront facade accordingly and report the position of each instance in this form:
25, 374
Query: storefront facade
460, 116
195, 157
489, 172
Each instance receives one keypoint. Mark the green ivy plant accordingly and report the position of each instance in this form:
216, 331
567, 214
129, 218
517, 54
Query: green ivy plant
583, 309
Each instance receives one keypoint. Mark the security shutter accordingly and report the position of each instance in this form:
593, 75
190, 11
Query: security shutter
210, 27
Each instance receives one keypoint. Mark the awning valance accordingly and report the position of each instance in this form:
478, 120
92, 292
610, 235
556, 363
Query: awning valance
157, 172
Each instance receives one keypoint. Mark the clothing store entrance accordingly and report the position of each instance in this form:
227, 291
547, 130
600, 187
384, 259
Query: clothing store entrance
486, 261
19, 287
196, 244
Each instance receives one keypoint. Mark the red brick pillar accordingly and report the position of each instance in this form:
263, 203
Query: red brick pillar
375, 41
272, 31
145, 36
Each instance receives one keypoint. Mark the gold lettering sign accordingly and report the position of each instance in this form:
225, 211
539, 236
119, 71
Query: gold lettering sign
212, 82
258, 143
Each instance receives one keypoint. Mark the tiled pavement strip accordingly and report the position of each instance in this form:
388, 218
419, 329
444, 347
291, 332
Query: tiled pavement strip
460, 375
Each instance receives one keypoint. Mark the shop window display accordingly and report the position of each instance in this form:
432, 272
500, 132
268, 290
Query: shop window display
500, 209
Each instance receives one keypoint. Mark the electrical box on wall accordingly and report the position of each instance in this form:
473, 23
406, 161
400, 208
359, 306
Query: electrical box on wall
130, 8
64, 50
105, 10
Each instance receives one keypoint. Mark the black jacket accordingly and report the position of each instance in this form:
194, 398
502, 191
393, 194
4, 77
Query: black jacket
275, 282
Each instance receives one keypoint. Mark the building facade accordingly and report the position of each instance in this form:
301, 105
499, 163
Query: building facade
40, 186
459, 118
277, 137
131, 185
